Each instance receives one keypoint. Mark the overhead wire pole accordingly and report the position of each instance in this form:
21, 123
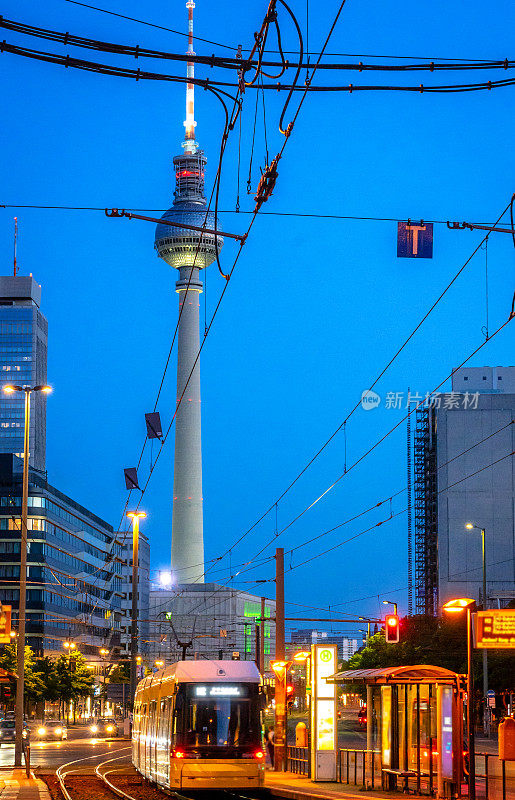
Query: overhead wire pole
135, 516
280, 732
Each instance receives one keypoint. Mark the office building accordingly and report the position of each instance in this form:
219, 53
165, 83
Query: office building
74, 586
464, 473
23, 360
214, 621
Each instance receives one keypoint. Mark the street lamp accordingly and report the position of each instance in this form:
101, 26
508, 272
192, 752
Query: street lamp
390, 603
159, 664
104, 652
20, 683
470, 527
363, 619
135, 516
457, 607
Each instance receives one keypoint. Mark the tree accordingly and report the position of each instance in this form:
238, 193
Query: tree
438, 641
34, 684
73, 679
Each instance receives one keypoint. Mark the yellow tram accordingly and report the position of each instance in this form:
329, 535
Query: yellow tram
197, 725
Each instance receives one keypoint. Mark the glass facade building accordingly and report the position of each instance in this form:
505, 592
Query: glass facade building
74, 566
23, 361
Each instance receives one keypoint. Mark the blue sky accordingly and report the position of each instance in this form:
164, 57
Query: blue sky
316, 308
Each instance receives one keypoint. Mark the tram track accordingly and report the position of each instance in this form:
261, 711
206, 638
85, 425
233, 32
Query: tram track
81, 779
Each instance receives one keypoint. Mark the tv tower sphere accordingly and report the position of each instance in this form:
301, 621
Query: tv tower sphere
183, 247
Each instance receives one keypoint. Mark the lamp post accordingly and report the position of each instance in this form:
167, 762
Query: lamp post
470, 526
104, 652
20, 684
362, 619
391, 603
457, 607
135, 516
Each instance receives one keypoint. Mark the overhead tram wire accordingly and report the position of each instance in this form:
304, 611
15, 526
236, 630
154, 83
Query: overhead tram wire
379, 504
298, 214
222, 86
372, 385
232, 63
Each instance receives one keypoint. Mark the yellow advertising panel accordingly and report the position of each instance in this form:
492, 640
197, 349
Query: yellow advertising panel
495, 629
325, 725
386, 726
5, 624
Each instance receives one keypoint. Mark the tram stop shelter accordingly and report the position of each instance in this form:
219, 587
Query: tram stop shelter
414, 727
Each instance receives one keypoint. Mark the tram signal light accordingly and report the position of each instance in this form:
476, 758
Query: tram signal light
391, 626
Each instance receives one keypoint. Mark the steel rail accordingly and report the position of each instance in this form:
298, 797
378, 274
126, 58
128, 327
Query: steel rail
60, 775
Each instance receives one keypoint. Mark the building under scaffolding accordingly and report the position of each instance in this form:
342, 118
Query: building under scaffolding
425, 487
464, 472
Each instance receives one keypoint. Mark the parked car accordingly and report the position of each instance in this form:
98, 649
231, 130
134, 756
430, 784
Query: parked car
104, 726
7, 729
362, 717
50, 731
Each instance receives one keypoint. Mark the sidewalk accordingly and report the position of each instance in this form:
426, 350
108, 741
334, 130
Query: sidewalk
14, 785
298, 787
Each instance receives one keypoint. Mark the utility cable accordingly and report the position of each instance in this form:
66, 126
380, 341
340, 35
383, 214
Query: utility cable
232, 63
222, 86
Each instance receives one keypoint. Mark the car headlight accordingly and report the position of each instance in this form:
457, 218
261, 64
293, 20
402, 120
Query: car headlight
41, 731
58, 731
94, 729
110, 728
24, 734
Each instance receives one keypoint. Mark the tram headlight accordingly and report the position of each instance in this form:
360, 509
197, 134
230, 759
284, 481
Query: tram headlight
110, 728
94, 729
41, 731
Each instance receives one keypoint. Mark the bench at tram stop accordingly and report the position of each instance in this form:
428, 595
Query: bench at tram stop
390, 779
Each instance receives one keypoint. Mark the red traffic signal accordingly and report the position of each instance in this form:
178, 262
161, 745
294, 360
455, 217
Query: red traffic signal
391, 628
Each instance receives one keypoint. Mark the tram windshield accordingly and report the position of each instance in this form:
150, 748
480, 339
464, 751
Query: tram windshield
218, 715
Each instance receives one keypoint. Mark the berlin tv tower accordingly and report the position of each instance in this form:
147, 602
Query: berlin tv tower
189, 252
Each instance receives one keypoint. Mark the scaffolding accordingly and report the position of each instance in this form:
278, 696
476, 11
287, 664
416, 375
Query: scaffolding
425, 512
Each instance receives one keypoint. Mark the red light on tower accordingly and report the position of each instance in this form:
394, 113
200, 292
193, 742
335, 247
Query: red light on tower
391, 628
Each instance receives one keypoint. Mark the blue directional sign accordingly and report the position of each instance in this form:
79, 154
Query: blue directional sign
415, 239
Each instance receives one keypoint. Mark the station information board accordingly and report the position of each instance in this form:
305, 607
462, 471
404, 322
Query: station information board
495, 629
323, 712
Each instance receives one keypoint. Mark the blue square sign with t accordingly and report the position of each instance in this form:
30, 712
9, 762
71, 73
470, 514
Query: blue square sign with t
414, 239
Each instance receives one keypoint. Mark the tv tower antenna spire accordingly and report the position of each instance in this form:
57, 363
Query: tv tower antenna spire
15, 265
189, 144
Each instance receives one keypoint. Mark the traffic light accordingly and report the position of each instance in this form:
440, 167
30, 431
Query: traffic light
290, 696
391, 628
5, 692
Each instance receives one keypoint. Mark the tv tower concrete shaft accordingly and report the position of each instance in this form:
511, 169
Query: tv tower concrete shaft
187, 515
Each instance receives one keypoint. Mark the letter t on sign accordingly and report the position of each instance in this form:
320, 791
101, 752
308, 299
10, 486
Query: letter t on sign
414, 240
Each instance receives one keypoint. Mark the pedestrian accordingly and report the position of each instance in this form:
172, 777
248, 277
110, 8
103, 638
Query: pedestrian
270, 744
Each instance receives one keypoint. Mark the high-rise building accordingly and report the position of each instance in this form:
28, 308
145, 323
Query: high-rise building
23, 360
464, 468
305, 637
188, 251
